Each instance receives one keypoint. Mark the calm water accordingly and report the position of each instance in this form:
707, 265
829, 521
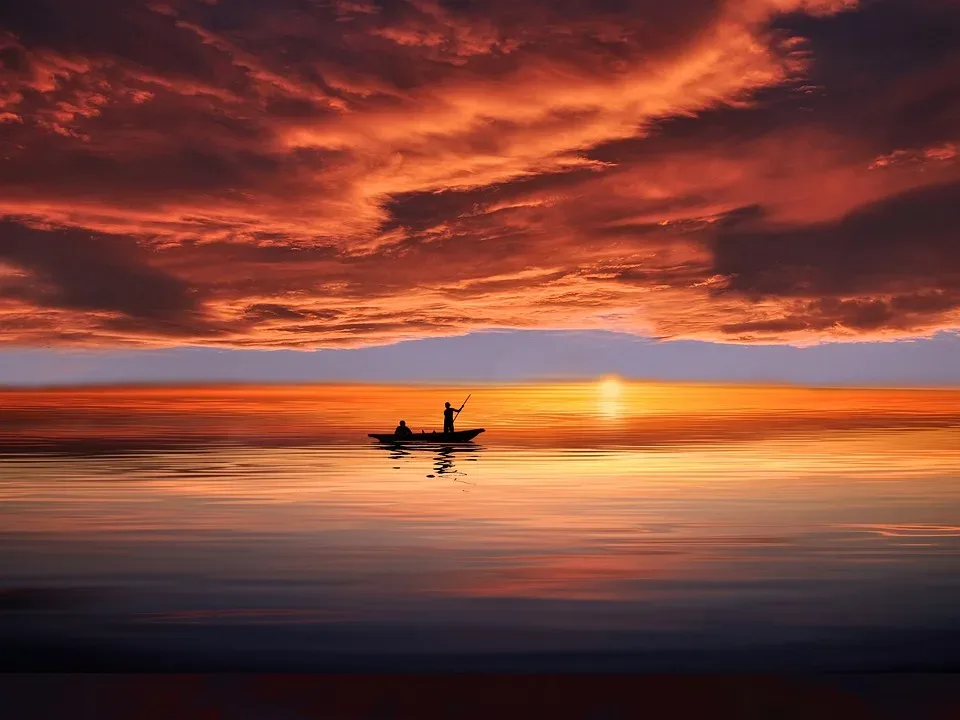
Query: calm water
593, 526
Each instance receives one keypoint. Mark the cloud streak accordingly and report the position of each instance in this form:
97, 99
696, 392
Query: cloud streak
330, 174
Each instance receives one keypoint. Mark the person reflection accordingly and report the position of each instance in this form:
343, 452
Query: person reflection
443, 462
445, 458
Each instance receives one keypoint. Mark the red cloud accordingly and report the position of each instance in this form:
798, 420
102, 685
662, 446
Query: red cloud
372, 171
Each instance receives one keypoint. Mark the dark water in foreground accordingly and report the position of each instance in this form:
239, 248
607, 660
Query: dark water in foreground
776, 531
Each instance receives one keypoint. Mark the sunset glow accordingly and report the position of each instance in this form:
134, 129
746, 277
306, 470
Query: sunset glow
520, 337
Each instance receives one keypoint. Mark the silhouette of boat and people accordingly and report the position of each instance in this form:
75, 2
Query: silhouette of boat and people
403, 433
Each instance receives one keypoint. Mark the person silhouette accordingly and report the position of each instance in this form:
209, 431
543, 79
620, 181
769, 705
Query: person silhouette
402, 430
448, 415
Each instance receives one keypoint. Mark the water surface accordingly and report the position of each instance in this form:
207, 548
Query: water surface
593, 526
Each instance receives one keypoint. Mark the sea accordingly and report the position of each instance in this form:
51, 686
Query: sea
598, 526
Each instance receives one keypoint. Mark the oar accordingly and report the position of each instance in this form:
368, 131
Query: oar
464, 404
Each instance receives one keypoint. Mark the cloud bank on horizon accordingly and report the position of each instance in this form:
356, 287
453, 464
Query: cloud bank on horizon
329, 173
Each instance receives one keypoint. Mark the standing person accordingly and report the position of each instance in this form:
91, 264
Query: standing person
448, 415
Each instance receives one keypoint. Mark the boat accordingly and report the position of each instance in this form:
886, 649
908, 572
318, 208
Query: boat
458, 436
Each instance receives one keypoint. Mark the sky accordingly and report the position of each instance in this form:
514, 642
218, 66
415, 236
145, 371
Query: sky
395, 189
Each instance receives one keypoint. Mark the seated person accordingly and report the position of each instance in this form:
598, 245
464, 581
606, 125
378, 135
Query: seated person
402, 430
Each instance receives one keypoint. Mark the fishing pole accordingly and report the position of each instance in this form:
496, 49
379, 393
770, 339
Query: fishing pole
464, 404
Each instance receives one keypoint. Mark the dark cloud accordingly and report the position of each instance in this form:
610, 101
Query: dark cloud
891, 265
908, 242
890, 72
73, 270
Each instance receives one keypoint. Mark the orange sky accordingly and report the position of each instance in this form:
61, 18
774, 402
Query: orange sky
346, 173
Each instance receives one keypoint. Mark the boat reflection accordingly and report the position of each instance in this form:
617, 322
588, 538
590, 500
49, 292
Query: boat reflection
444, 456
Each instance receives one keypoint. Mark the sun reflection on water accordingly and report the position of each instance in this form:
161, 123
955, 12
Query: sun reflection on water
611, 395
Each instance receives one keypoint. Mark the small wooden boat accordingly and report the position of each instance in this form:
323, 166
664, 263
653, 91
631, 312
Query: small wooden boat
457, 436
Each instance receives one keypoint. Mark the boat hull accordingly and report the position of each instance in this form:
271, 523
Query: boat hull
434, 437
